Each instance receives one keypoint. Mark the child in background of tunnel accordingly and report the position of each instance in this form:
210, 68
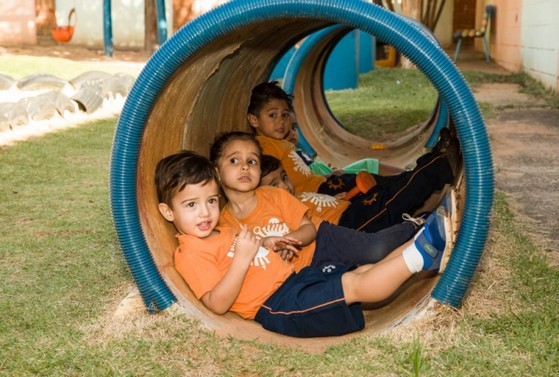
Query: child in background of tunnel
269, 114
228, 268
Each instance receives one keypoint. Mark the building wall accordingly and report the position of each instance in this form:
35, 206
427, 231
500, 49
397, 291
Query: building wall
505, 36
17, 22
539, 42
525, 37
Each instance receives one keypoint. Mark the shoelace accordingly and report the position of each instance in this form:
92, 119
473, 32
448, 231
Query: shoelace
416, 220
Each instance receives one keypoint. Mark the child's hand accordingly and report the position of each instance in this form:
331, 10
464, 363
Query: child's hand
287, 247
340, 195
247, 245
337, 172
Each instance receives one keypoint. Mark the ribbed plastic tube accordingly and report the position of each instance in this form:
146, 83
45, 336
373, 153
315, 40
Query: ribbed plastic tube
234, 15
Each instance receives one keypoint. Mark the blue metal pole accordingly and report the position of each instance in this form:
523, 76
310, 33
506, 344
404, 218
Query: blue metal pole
161, 21
107, 28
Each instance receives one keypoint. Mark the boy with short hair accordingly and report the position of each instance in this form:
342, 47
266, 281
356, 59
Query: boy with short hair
230, 270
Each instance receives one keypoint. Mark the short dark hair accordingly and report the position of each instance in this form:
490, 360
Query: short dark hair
264, 93
221, 141
174, 172
268, 164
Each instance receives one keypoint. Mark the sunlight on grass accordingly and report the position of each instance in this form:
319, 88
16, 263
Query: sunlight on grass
20, 66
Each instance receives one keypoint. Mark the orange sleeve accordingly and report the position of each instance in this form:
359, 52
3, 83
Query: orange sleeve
299, 173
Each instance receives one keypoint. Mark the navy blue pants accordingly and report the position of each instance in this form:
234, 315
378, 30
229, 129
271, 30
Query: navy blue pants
311, 303
337, 244
383, 205
337, 183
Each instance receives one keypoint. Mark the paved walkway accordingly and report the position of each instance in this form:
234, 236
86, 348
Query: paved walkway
524, 135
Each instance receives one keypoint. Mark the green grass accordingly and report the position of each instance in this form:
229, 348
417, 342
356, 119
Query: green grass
18, 66
386, 101
389, 100
63, 276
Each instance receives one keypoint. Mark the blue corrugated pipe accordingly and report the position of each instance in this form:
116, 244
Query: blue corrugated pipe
421, 50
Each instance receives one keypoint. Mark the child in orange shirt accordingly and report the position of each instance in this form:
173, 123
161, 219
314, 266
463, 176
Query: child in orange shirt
270, 116
228, 268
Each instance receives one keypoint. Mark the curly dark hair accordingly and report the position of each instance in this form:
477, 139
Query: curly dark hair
268, 164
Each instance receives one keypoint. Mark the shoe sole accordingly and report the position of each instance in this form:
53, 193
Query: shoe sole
450, 222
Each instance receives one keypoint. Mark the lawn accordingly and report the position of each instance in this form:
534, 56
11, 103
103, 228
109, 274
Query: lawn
63, 276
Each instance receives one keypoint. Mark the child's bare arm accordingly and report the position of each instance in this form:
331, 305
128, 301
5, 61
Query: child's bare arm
220, 299
306, 232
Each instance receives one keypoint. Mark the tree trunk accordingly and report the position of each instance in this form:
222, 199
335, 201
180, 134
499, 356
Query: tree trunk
44, 17
150, 35
412, 9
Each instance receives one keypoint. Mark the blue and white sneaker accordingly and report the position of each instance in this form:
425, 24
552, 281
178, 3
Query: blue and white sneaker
433, 239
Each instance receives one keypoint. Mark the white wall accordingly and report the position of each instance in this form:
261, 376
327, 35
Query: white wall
540, 40
127, 22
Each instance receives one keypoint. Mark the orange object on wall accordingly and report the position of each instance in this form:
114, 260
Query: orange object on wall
63, 34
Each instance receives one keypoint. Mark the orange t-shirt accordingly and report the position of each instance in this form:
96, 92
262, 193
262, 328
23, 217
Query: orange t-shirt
299, 173
276, 214
325, 207
202, 262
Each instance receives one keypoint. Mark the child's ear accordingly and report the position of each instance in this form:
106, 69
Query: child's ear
252, 120
167, 212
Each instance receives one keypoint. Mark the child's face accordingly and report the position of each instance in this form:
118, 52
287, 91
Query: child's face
194, 210
278, 178
239, 166
293, 135
272, 121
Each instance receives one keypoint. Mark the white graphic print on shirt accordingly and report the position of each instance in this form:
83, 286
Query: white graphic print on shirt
274, 228
260, 259
319, 200
300, 165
